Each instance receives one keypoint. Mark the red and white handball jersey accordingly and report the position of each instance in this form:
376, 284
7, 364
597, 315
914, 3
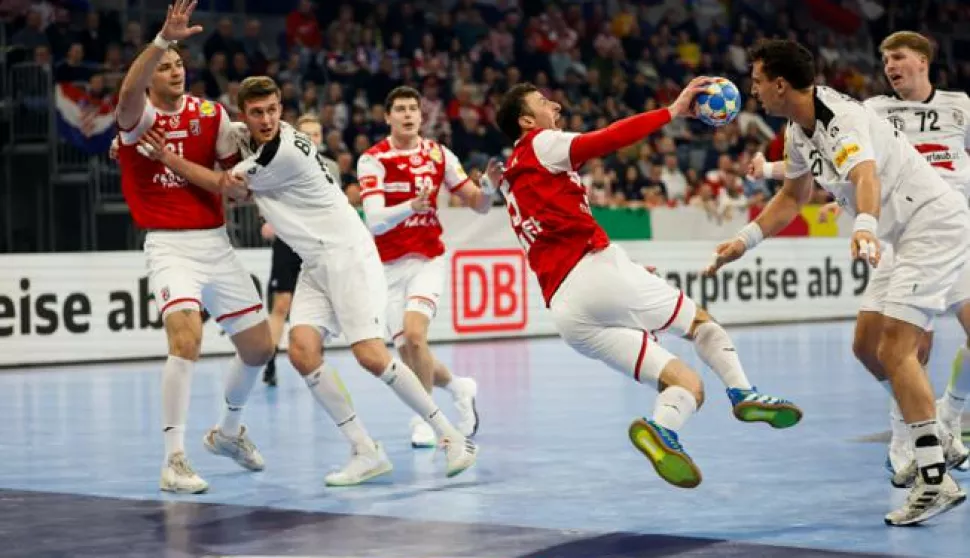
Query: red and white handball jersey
938, 127
201, 132
548, 207
398, 176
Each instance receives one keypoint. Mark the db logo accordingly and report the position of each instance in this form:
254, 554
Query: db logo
488, 291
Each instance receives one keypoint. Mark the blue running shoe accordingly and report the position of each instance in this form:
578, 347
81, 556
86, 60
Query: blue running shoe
661, 446
751, 406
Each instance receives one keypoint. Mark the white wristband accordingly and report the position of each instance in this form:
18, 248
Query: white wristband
865, 222
751, 235
162, 43
767, 169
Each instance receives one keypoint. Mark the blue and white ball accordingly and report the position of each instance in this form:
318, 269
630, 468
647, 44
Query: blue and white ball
720, 103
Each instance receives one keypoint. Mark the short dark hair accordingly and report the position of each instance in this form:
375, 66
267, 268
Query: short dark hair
785, 59
511, 108
255, 87
401, 92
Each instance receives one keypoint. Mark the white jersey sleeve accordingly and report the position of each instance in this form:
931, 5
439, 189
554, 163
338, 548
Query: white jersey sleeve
455, 175
226, 142
131, 137
795, 163
552, 149
370, 176
852, 143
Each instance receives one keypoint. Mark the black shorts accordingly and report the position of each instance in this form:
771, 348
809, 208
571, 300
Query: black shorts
286, 268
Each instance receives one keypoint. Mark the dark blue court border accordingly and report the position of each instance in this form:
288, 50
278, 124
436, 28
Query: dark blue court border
51, 524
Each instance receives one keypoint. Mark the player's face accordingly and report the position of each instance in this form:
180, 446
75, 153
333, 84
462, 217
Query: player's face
314, 131
541, 112
262, 117
768, 92
905, 69
169, 77
404, 118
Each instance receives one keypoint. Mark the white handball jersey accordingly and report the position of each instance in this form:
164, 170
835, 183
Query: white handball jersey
298, 196
846, 134
938, 127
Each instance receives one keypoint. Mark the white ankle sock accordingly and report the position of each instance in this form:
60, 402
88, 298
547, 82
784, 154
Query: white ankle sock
673, 407
406, 385
240, 379
330, 393
715, 348
176, 384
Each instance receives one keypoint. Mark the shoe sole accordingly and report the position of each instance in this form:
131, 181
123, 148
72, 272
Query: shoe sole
456, 472
777, 415
373, 473
926, 517
214, 451
175, 490
673, 466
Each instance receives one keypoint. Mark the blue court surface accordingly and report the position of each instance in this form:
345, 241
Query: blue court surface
557, 476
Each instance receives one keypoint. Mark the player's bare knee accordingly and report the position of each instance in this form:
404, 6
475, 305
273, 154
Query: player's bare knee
415, 340
305, 350
255, 345
700, 317
185, 343
677, 373
372, 355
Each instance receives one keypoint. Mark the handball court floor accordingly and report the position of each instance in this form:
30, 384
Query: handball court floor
556, 477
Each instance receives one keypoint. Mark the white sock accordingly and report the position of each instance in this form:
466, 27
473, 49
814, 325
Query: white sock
958, 389
176, 383
330, 393
240, 380
673, 407
715, 348
929, 452
406, 385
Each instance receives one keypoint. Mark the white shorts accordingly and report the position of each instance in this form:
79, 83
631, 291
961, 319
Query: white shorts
414, 284
199, 269
924, 274
342, 294
608, 306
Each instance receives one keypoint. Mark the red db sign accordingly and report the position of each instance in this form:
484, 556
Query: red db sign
488, 291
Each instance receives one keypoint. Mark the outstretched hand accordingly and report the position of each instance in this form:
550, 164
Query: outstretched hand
725, 253
684, 105
176, 26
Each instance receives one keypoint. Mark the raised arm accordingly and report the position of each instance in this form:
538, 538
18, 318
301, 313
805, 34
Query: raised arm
634, 128
131, 96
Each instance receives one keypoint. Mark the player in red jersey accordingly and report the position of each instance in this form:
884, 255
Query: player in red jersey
191, 262
605, 306
400, 178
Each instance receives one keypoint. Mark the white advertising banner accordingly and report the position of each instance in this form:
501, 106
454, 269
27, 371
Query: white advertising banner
60, 308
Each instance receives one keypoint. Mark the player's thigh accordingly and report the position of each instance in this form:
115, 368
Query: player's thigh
874, 296
183, 331
312, 306
358, 294
230, 294
929, 258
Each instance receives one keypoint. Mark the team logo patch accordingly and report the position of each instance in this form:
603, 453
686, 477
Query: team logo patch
195, 127
166, 294
958, 118
207, 108
416, 160
174, 121
843, 154
436, 155
898, 123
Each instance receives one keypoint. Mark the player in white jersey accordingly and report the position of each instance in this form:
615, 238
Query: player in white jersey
400, 177
341, 288
896, 198
937, 123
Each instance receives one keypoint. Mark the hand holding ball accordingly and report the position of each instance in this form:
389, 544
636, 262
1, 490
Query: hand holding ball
720, 103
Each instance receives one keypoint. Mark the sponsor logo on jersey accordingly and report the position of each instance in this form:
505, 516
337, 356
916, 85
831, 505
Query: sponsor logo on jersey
368, 183
843, 154
937, 155
207, 108
436, 155
426, 168
958, 117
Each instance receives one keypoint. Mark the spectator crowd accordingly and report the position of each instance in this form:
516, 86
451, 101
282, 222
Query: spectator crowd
601, 60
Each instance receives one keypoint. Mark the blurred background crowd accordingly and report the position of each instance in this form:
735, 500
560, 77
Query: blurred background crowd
600, 59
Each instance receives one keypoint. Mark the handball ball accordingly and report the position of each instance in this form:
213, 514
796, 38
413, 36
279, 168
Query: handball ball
720, 103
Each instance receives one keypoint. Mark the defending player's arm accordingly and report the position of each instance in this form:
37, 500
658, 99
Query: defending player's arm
380, 218
152, 145
760, 168
855, 161
131, 95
